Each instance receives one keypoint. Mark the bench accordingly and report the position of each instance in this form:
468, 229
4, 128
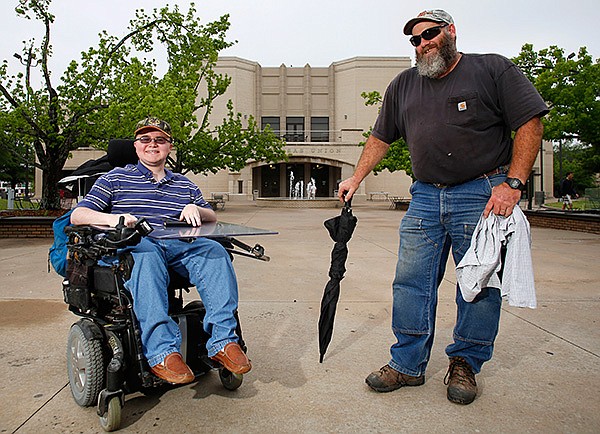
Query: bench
399, 202
381, 195
217, 200
27, 203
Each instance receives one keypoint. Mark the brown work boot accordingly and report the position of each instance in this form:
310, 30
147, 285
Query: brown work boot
173, 370
388, 379
233, 358
462, 387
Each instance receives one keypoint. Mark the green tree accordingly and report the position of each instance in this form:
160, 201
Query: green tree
397, 156
571, 87
16, 157
573, 157
104, 94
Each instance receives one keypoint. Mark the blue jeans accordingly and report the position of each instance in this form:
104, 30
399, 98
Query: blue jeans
208, 267
440, 218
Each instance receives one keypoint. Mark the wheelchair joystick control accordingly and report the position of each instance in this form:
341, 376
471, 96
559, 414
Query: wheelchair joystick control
143, 227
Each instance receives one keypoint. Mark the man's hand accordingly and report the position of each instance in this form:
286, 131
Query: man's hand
502, 201
347, 188
130, 220
191, 214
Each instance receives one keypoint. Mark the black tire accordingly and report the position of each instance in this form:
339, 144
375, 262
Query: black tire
111, 420
85, 367
229, 380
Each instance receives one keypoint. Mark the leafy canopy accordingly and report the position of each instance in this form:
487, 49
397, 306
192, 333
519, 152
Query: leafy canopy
103, 95
397, 156
571, 87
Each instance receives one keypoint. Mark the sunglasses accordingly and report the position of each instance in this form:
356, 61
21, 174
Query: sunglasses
428, 35
158, 140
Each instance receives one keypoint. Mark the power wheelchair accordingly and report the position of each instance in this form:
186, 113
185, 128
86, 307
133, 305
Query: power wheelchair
104, 350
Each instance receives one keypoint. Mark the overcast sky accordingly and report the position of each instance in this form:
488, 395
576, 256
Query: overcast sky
319, 32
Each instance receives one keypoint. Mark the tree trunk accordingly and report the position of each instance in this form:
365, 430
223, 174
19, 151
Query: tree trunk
52, 166
50, 194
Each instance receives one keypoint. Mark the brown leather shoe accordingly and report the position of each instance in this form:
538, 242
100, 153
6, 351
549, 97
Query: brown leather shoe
233, 358
173, 370
462, 387
388, 379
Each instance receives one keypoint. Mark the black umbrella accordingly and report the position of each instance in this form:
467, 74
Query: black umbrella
340, 229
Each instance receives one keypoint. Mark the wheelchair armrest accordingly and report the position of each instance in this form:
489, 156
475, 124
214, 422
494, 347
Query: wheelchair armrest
97, 241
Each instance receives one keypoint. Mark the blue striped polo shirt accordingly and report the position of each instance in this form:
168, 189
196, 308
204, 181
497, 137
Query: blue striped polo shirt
133, 190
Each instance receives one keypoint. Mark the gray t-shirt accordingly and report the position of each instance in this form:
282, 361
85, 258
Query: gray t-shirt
459, 127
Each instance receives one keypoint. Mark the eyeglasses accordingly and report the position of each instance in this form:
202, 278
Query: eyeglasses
428, 35
158, 140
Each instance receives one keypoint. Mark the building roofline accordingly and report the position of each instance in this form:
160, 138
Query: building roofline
355, 59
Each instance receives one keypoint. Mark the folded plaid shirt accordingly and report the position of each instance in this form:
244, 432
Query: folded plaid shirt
480, 266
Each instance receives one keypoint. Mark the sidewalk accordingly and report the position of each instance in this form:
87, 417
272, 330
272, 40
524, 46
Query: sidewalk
544, 377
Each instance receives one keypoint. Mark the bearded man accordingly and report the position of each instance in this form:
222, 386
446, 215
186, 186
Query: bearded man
457, 113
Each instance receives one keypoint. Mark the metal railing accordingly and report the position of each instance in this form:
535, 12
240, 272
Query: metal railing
308, 136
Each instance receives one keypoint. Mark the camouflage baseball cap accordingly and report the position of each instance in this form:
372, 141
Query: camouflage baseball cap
152, 123
435, 15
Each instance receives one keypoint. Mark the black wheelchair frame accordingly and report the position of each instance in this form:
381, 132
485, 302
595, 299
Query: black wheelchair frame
104, 351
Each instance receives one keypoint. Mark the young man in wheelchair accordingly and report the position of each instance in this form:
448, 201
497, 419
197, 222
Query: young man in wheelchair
149, 190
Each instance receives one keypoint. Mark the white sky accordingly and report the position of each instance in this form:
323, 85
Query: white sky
319, 32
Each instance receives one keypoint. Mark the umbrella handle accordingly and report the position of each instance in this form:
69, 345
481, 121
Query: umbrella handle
347, 203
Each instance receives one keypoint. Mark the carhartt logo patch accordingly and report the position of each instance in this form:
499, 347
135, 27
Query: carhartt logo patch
462, 106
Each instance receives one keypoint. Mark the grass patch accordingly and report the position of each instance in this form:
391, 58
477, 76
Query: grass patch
578, 204
23, 204
27, 209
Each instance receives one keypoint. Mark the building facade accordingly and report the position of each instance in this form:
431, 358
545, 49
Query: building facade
320, 113
322, 117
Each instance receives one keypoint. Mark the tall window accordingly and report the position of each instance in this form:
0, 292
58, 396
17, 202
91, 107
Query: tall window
294, 126
319, 129
273, 122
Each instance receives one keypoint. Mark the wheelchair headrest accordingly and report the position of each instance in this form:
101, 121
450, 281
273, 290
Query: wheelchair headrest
121, 152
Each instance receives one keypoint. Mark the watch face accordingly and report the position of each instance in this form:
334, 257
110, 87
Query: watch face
514, 183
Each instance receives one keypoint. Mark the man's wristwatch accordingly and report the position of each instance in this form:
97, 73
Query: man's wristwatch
515, 183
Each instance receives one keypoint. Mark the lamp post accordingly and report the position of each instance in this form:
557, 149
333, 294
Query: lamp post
560, 159
560, 141
29, 62
572, 72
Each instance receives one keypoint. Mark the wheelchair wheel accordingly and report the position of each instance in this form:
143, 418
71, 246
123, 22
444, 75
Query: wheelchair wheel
85, 366
229, 380
111, 420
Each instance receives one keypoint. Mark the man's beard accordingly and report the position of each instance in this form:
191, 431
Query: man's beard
437, 63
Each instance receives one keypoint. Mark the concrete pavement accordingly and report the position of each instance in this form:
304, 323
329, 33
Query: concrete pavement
544, 377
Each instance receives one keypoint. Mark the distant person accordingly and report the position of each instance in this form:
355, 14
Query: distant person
147, 189
567, 191
457, 112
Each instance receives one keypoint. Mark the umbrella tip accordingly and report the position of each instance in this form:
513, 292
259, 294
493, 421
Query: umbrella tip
321, 358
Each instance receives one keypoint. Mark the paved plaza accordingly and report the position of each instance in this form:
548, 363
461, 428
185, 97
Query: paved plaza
544, 377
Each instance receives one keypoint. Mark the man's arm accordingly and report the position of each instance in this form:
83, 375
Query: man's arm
526, 146
86, 216
372, 154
